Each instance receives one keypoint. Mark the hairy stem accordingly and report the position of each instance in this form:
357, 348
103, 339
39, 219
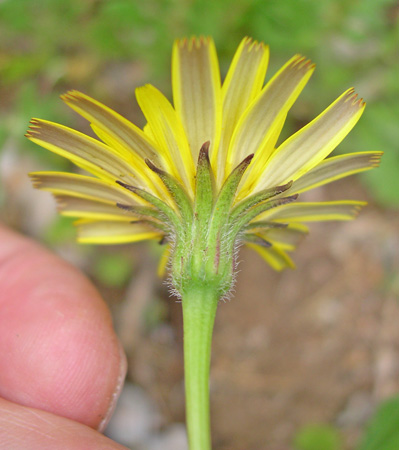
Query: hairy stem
199, 309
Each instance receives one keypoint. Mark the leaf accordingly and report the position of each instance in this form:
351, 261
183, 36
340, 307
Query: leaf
59, 232
382, 432
113, 269
318, 437
381, 132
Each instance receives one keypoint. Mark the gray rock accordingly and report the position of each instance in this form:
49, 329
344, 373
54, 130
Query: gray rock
136, 418
173, 437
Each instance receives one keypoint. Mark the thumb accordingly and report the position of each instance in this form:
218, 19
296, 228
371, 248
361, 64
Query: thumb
58, 350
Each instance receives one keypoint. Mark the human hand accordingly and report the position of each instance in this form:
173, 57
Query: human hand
61, 366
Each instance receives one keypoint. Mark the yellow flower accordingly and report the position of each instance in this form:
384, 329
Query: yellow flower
239, 117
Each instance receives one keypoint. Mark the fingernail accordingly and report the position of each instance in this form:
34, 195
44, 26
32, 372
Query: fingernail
118, 388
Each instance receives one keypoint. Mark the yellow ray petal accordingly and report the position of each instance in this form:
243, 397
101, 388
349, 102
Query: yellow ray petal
125, 138
148, 131
286, 238
335, 168
116, 145
314, 211
121, 130
251, 175
91, 209
197, 91
97, 232
256, 126
147, 176
83, 186
163, 262
243, 82
168, 131
82, 150
274, 256
314, 142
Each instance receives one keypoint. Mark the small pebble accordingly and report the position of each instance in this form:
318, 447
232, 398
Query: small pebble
173, 437
136, 417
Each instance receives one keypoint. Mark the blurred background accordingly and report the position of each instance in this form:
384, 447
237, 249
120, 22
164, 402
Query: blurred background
302, 359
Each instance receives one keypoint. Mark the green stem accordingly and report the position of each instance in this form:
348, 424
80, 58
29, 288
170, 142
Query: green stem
199, 310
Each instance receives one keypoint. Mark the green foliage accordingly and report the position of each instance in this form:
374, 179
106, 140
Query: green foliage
271, 20
318, 437
383, 430
60, 231
155, 313
113, 269
381, 132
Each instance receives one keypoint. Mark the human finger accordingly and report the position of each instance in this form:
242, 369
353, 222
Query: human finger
58, 349
27, 428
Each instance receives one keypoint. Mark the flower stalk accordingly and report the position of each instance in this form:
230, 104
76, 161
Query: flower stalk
199, 310
202, 273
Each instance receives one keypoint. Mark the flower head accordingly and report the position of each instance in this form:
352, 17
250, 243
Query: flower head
205, 173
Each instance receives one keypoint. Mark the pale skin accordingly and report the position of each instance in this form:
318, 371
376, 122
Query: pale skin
61, 366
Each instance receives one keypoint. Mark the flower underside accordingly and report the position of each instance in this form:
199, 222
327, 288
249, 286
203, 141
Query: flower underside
206, 173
